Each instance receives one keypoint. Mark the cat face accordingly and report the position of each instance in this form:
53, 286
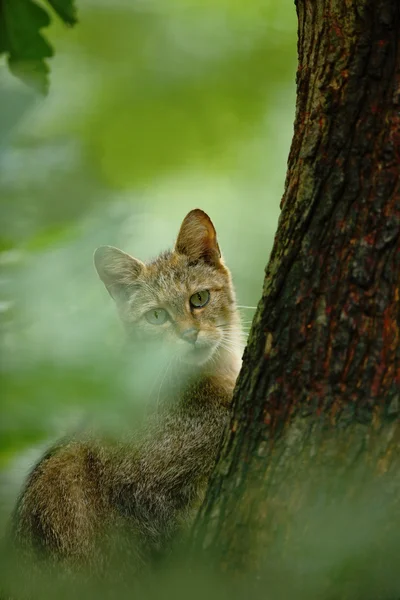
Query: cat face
184, 299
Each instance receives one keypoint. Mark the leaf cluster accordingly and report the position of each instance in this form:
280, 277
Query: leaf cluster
21, 40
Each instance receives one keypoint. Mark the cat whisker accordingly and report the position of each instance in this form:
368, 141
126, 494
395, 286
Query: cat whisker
229, 350
163, 379
235, 336
233, 330
229, 347
159, 375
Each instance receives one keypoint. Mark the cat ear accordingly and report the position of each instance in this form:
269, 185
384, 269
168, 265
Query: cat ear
197, 238
117, 270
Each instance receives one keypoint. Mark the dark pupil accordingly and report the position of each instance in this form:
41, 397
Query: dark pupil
199, 297
156, 314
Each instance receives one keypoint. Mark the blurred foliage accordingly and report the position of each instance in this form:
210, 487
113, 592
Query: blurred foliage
21, 40
155, 107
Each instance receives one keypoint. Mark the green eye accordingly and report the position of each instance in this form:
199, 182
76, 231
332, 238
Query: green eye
199, 299
156, 316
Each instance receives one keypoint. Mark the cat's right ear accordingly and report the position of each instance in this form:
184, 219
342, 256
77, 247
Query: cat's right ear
117, 270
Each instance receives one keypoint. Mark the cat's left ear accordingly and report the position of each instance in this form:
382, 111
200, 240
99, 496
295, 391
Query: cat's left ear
197, 239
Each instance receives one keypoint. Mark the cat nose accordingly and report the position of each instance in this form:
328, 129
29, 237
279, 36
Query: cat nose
190, 335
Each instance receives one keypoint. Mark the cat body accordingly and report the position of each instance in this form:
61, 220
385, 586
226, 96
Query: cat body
89, 498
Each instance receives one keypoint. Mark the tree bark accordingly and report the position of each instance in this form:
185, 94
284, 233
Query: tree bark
312, 456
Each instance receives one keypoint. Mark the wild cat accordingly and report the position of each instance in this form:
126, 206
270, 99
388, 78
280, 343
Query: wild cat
147, 487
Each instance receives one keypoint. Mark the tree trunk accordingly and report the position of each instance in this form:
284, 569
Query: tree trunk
308, 480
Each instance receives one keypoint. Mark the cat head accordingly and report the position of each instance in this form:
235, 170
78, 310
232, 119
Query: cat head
183, 299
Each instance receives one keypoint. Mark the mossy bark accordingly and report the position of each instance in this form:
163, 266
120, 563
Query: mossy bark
313, 446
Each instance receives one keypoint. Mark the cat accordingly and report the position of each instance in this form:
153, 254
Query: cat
147, 488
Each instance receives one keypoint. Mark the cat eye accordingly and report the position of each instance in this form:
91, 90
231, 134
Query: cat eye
156, 316
199, 299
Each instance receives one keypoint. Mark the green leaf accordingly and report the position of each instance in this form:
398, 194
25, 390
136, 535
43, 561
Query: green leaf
65, 9
20, 25
22, 41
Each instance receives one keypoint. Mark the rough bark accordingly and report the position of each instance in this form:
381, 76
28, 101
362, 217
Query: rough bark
313, 447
